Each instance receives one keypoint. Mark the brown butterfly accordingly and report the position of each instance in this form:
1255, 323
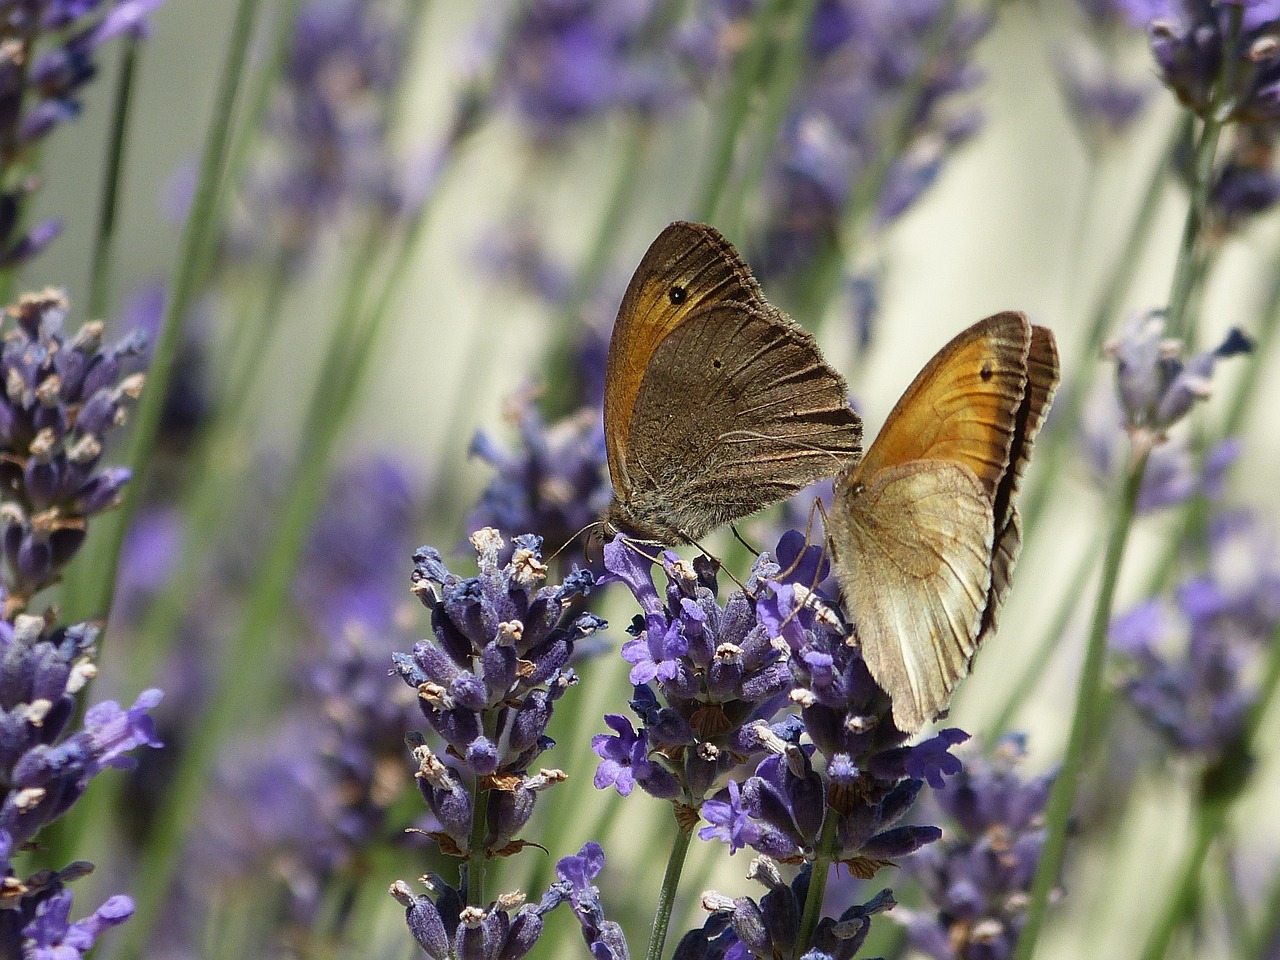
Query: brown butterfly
924, 531
716, 403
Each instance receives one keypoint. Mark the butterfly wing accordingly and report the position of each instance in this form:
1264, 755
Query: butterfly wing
912, 551
738, 410
688, 266
973, 410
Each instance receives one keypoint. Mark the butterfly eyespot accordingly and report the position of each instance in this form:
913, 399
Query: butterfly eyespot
987, 372
677, 295
717, 363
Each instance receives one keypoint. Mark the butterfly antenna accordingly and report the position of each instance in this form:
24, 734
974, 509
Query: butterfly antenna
579, 532
737, 536
720, 563
631, 544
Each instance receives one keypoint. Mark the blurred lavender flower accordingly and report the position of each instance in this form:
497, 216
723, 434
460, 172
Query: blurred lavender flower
572, 61
742, 927
45, 768
979, 876
517, 254
556, 483
48, 51
487, 684
1246, 183
329, 124
1193, 657
62, 397
1174, 473
1190, 38
1156, 387
863, 58
1103, 100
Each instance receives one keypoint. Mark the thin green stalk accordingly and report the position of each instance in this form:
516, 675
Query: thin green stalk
733, 112
1062, 798
1036, 665
104, 238
1246, 386
788, 68
1181, 902
560, 385
477, 849
1265, 932
667, 894
823, 856
1055, 441
95, 574
828, 268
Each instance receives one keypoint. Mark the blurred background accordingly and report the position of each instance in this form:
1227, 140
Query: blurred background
493, 183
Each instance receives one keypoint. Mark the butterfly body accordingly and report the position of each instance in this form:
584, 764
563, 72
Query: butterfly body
716, 403
924, 530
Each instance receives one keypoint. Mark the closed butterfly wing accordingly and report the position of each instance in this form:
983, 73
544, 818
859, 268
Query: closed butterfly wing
688, 265
716, 403
738, 410
924, 584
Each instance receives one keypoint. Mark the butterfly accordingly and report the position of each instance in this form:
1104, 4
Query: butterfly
924, 530
716, 403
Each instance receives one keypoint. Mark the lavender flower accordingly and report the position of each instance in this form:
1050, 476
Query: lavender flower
62, 396
487, 684
1194, 46
1103, 100
604, 938
571, 62
46, 768
48, 51
1191, 657
769, 928
978, 877
556, 482
447, 929
1157, 388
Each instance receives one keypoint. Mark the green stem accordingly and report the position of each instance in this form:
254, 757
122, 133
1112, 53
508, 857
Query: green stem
1036, 665
1246, 386
477, 853
667, 894
1268, 926
823, 856
1062, 798
733, 112
1054, 443
101, 556
783, 79
104, 239
1181, 902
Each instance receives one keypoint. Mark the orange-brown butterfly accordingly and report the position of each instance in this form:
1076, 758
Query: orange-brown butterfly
716, 403
924, 530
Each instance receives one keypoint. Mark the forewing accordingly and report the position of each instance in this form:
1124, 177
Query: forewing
913, 556
738, 411
963, 406
694, 259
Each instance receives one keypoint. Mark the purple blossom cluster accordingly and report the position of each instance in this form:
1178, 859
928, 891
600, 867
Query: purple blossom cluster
1192, 657
1157, 387
768, 674
978, 877
487, 683
1105, 100
45, 767
48, 54
1217, 57
62, 396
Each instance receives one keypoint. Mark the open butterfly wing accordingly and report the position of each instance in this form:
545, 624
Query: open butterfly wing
753, 370
912, 552
704, 266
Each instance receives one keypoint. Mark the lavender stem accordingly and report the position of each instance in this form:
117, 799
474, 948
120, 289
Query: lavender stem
667, 894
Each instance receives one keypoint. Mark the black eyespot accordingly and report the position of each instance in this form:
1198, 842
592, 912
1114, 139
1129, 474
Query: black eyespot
987, 372
717, 363
678, 295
